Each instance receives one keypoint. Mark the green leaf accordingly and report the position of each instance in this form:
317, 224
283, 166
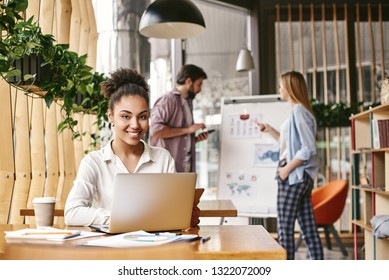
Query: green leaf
69, 85
48, 98
4, 66
29, 76
15, 72
18, 51
20, 5
89, 89
82, 89
61, 126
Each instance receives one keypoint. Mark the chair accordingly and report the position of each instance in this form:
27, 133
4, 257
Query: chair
328, 202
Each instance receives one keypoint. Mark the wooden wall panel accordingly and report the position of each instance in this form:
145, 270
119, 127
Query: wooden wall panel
381, 31
337, 86
35, 159
51, 142
359, 53
46, 16
78, 146
7, 168
278, 36
94, 129
38, 159
373, 59
291, 37
301, 38
314, 55
33, 9
86, 128
63, 12
84, 28
93, 35
22, 156
75, 26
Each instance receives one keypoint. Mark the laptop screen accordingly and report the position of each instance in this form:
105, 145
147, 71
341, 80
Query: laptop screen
152, 201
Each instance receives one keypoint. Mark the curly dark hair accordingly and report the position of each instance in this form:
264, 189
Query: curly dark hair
124, 82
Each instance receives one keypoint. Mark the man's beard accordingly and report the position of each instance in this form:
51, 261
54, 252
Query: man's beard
191, 93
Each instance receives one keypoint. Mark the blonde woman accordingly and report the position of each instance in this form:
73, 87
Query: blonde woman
297, 167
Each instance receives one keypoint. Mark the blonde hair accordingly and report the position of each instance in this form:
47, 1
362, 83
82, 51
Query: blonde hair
296, 87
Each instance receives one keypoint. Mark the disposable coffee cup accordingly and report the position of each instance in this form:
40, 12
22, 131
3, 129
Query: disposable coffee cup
44, 211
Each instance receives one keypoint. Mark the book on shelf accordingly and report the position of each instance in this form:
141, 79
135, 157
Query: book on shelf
376, 137
380, 133
386, 132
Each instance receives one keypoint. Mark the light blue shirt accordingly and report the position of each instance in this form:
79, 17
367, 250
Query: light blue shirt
300, 138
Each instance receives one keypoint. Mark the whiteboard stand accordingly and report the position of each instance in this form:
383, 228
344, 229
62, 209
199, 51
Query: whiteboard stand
249, 157
264, 219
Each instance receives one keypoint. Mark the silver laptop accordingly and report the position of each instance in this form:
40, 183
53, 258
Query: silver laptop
151, 202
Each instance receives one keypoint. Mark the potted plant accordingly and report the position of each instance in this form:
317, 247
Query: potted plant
65, 74
337, 114
333, 114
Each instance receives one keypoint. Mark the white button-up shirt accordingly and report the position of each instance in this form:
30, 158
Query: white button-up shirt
89, 200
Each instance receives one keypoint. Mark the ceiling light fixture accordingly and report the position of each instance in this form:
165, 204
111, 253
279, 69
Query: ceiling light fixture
245, 61
171, 19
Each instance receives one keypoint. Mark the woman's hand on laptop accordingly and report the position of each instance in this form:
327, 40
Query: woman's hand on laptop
195, 216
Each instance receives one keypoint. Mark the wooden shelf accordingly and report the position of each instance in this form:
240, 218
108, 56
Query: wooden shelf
371, 189
378, 109
369, 150
363, 225
375, 201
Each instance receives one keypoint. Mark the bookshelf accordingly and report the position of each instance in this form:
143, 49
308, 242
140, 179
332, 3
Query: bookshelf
369, 161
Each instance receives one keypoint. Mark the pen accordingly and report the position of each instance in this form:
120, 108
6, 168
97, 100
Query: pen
205, 239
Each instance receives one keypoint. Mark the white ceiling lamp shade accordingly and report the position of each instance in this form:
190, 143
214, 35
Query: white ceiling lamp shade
245, 61
171, 19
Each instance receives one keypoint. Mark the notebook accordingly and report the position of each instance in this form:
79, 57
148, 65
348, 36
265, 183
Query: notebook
151, 202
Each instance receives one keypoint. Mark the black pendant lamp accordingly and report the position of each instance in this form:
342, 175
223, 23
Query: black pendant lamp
171, 19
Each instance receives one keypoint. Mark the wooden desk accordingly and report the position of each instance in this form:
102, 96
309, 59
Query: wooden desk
217, 208
208, 208
227, 242
238, 242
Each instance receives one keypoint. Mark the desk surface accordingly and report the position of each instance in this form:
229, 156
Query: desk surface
217, 208
227, 242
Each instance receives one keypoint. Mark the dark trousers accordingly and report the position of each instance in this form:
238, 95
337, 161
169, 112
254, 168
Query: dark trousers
294, 202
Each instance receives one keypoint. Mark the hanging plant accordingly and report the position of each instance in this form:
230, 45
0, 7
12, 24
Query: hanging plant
66, 75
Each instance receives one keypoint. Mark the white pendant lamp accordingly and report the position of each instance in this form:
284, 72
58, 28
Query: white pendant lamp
171, 19
245, 61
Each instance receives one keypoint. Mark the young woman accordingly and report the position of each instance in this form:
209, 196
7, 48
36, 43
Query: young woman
89, 200
297, 167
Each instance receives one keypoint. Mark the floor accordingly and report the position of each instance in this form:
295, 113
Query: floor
333, 254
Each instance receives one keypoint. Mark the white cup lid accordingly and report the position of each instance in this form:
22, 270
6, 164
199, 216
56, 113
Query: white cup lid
43, 200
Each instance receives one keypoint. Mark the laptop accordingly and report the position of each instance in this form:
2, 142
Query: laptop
151, 202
